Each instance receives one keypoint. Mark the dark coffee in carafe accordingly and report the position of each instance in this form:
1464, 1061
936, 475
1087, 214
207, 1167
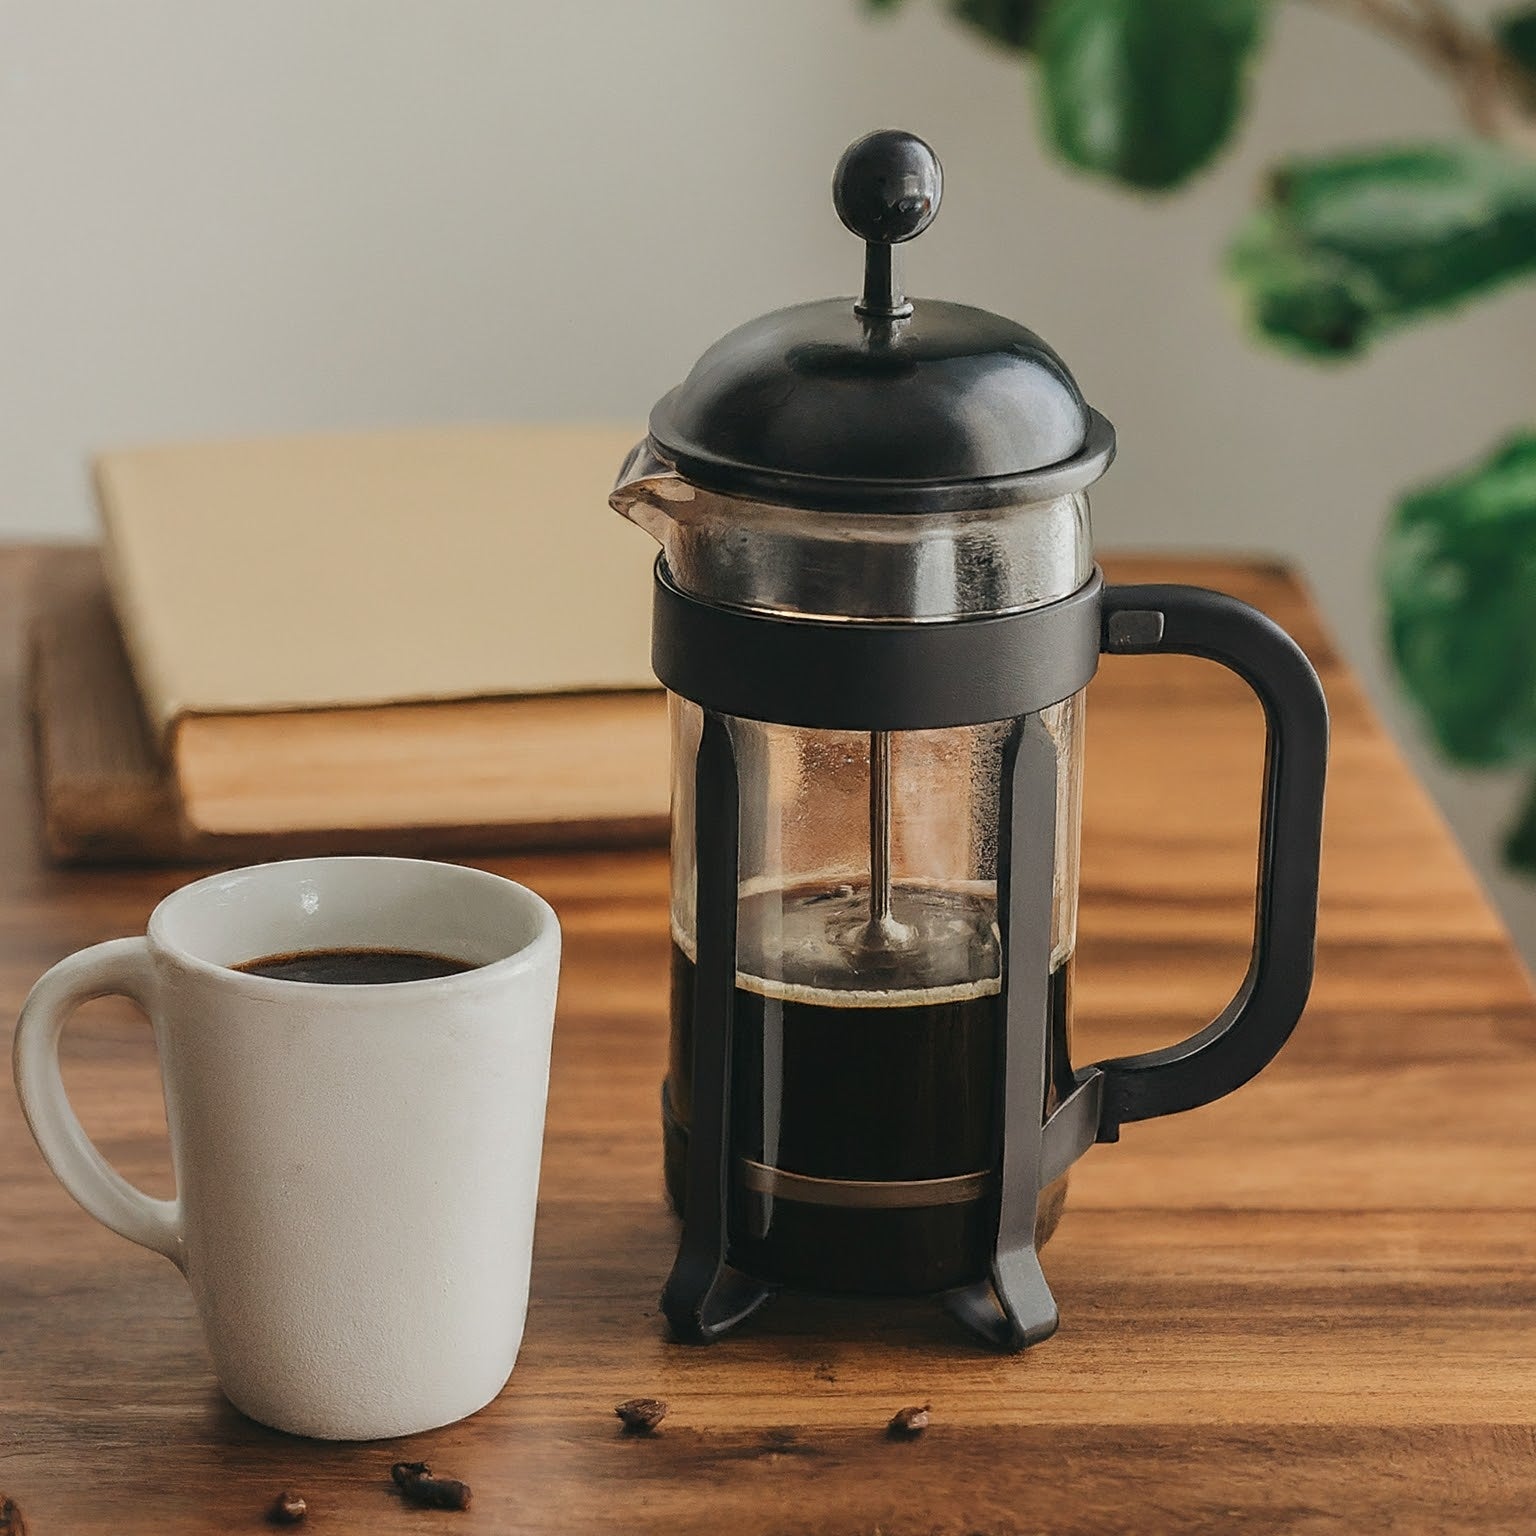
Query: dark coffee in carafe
863, 1134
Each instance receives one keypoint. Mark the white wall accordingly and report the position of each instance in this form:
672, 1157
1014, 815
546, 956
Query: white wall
219, 217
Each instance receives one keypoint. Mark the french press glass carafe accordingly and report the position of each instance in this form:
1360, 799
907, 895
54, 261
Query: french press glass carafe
876, 610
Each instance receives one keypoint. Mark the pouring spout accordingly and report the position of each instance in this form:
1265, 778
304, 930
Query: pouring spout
649, 491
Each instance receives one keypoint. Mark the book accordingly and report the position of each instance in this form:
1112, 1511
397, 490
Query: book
104, 793
441, 627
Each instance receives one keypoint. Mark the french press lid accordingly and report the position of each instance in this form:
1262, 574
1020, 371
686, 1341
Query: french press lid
883, 403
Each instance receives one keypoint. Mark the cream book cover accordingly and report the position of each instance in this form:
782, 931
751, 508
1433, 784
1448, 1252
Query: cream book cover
374, 568
276, 595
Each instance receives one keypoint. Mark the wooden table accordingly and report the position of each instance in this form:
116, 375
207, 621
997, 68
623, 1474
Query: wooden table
1308, 1308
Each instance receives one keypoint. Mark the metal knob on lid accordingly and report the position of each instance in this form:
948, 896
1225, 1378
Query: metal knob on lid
886, 189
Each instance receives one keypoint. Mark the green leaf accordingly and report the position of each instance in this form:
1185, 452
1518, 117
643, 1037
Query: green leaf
1011, 23
1144, 91
1515, 33
1459, 577
1350, 245
881, 5
1520, 839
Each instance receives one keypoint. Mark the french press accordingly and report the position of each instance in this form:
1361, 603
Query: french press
876, 611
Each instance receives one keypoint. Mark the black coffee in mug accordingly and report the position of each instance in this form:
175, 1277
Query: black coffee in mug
354, 967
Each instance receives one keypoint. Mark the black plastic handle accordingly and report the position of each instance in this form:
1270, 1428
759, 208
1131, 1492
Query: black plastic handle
1190, 621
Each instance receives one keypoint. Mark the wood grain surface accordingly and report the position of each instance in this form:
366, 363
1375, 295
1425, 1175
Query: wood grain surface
1308, 1308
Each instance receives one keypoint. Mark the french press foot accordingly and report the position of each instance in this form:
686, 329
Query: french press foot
1010, 1312
700, 1307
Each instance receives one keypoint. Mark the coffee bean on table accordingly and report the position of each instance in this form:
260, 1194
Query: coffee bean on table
418, 1486
287, 1508
907, 1423
640, 1415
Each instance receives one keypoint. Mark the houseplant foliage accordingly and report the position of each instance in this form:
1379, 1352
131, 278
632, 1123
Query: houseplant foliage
1341, 250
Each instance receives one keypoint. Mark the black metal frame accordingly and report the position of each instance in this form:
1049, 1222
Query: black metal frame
840, 675
1013, 1308
704, 1297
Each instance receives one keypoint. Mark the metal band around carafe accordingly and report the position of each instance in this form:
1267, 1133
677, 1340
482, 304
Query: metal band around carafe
863, 1194
858, 676
1070, 1130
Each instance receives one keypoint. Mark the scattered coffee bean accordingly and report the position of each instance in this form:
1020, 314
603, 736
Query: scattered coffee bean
12, 1521
640, 1415
417, 1486
286, 1509
908, 1423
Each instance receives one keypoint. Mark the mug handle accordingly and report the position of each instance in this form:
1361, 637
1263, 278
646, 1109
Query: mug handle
1243, 1039
122, 968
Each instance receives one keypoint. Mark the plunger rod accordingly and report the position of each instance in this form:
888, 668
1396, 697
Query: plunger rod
883, 930
880, 832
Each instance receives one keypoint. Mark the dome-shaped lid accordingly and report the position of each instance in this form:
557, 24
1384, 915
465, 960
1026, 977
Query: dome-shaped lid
883, 403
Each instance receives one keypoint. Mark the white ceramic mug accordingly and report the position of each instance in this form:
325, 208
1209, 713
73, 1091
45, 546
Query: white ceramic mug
356, 1166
